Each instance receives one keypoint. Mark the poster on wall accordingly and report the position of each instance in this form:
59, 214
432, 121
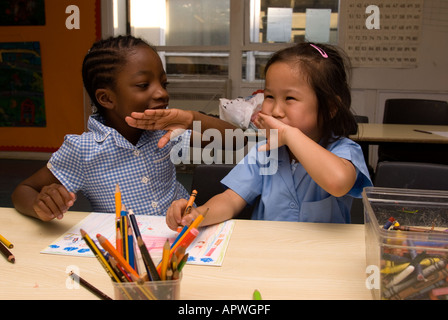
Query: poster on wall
387, 35
21, 85
22, 13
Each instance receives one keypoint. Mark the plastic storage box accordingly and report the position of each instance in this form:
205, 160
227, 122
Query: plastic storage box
406, 243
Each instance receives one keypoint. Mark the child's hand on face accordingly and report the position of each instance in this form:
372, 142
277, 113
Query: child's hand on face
274, 130
174, 213
53, 201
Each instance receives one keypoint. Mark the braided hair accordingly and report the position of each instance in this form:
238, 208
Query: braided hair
104, 60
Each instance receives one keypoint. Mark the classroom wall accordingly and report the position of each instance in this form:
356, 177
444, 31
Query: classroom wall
429, 80
62, 52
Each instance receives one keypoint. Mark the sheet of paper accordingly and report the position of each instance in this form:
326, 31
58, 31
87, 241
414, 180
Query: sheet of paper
441, 133
318, 25
279, 25
208, 248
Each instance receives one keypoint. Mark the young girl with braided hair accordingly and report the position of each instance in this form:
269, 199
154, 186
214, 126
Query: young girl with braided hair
121, 75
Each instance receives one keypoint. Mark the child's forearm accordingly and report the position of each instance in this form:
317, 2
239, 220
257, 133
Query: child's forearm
210, 122
332, 173
222, 207
23, 199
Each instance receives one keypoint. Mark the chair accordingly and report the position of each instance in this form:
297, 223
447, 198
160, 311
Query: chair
364, 146
411, 175
357, 209
81, 203
207, 182
415, 111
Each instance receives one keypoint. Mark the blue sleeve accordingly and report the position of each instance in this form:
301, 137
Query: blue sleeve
245, 178
350, 150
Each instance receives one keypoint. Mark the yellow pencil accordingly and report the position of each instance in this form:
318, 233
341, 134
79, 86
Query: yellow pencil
6, 242
165, 259
117, 201
98, 254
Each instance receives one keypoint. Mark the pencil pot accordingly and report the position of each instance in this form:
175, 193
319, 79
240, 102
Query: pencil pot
406, 243
148, 290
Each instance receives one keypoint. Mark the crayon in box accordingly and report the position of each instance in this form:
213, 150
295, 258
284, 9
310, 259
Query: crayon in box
403, 264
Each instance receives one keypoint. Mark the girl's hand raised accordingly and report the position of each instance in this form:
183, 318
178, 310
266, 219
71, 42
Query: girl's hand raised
161, 119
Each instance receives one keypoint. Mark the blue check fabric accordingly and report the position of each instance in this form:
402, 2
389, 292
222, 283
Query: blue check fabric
95, 161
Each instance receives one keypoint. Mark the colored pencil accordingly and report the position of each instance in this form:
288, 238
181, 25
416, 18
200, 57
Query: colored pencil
119, 258
165, 260
149, 264
99, 255
188, 239
117, 216
89, 286
6, 242
182, 263
131, 252
195, 224
124, 234
180, 252
181, 233
8, 255
190, 202
117, 202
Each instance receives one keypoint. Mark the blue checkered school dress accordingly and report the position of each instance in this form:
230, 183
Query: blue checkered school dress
95, 161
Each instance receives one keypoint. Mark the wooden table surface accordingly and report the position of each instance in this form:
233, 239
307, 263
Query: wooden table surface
284, 260
381, 133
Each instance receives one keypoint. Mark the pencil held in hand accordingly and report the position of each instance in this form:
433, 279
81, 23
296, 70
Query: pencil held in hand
190, 202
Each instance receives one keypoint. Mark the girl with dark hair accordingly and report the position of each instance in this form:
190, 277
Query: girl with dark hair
307, 118
121, 75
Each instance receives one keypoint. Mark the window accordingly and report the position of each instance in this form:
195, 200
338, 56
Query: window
218, 48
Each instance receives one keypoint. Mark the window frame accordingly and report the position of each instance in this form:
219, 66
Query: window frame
239, 43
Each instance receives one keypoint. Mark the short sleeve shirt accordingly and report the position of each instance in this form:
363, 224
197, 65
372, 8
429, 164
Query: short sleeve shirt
290, 194
96, 161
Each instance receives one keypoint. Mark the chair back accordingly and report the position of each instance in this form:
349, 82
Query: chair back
411, 175
415, 111
207, 182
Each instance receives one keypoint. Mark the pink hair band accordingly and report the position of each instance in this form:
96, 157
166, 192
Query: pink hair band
322, 52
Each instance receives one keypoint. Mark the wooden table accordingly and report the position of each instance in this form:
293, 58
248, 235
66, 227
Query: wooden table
284, 260
377, 133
